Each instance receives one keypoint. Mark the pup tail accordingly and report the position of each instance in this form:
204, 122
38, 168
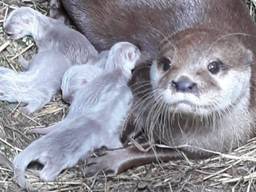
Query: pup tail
14, 86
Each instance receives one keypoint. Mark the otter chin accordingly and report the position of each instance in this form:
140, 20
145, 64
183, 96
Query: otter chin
202, 72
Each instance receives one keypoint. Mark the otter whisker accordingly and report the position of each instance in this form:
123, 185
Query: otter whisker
230, 35
140, 107
141, 90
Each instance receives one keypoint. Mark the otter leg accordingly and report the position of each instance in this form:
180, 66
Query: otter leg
45, 130
57, 11
117, 161
35, 105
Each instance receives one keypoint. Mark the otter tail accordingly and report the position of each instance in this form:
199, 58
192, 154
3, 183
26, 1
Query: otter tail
25, 87
14, 86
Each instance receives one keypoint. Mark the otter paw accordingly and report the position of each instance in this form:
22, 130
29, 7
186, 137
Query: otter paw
34, 106
105, 163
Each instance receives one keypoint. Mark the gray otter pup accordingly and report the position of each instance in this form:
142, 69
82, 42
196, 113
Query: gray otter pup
77, 76
89, 123
49, 34
198, 80
58, 48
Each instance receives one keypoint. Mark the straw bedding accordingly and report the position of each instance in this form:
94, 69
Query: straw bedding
223, 172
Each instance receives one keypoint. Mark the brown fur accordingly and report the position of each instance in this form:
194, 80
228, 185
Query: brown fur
157, 26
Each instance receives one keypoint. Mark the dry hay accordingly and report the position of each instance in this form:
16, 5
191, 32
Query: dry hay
224, 172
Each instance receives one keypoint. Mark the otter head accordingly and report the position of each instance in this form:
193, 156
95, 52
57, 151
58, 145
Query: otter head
123, 55
200, 72
21, 22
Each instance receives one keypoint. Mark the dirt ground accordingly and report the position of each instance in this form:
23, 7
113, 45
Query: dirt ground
224, 172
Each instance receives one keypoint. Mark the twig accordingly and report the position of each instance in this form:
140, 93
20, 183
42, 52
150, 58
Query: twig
245, 178
22, 52
8, 144
221, 171
4, 46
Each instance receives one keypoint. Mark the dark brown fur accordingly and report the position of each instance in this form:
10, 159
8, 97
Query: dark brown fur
151, 24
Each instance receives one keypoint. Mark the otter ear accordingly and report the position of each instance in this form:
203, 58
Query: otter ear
27, 18
27, 21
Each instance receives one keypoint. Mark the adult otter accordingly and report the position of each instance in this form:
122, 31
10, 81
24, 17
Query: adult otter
199, 49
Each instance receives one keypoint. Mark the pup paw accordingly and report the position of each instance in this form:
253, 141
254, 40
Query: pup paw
34, 106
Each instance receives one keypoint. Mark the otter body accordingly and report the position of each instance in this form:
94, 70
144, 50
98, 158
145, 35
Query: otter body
148, 23
194, 89
188, 90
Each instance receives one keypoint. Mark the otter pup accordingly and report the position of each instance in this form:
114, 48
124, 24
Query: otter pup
77, 76
58, 48
89, 123
199, 77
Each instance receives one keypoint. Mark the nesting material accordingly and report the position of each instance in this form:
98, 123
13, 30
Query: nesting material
223, 172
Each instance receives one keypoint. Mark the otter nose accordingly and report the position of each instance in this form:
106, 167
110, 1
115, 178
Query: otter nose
185, 85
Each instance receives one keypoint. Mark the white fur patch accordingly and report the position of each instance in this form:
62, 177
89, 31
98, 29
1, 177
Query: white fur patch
154, 74
233, 86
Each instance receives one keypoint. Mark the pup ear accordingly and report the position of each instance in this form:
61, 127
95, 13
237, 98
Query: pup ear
27, 21
28, 18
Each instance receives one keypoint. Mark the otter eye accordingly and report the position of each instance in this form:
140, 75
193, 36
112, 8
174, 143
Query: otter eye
165, 63
215, 67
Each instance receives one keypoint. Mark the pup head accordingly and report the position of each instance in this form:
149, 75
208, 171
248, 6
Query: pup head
123, 55
21, 22
76, 77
